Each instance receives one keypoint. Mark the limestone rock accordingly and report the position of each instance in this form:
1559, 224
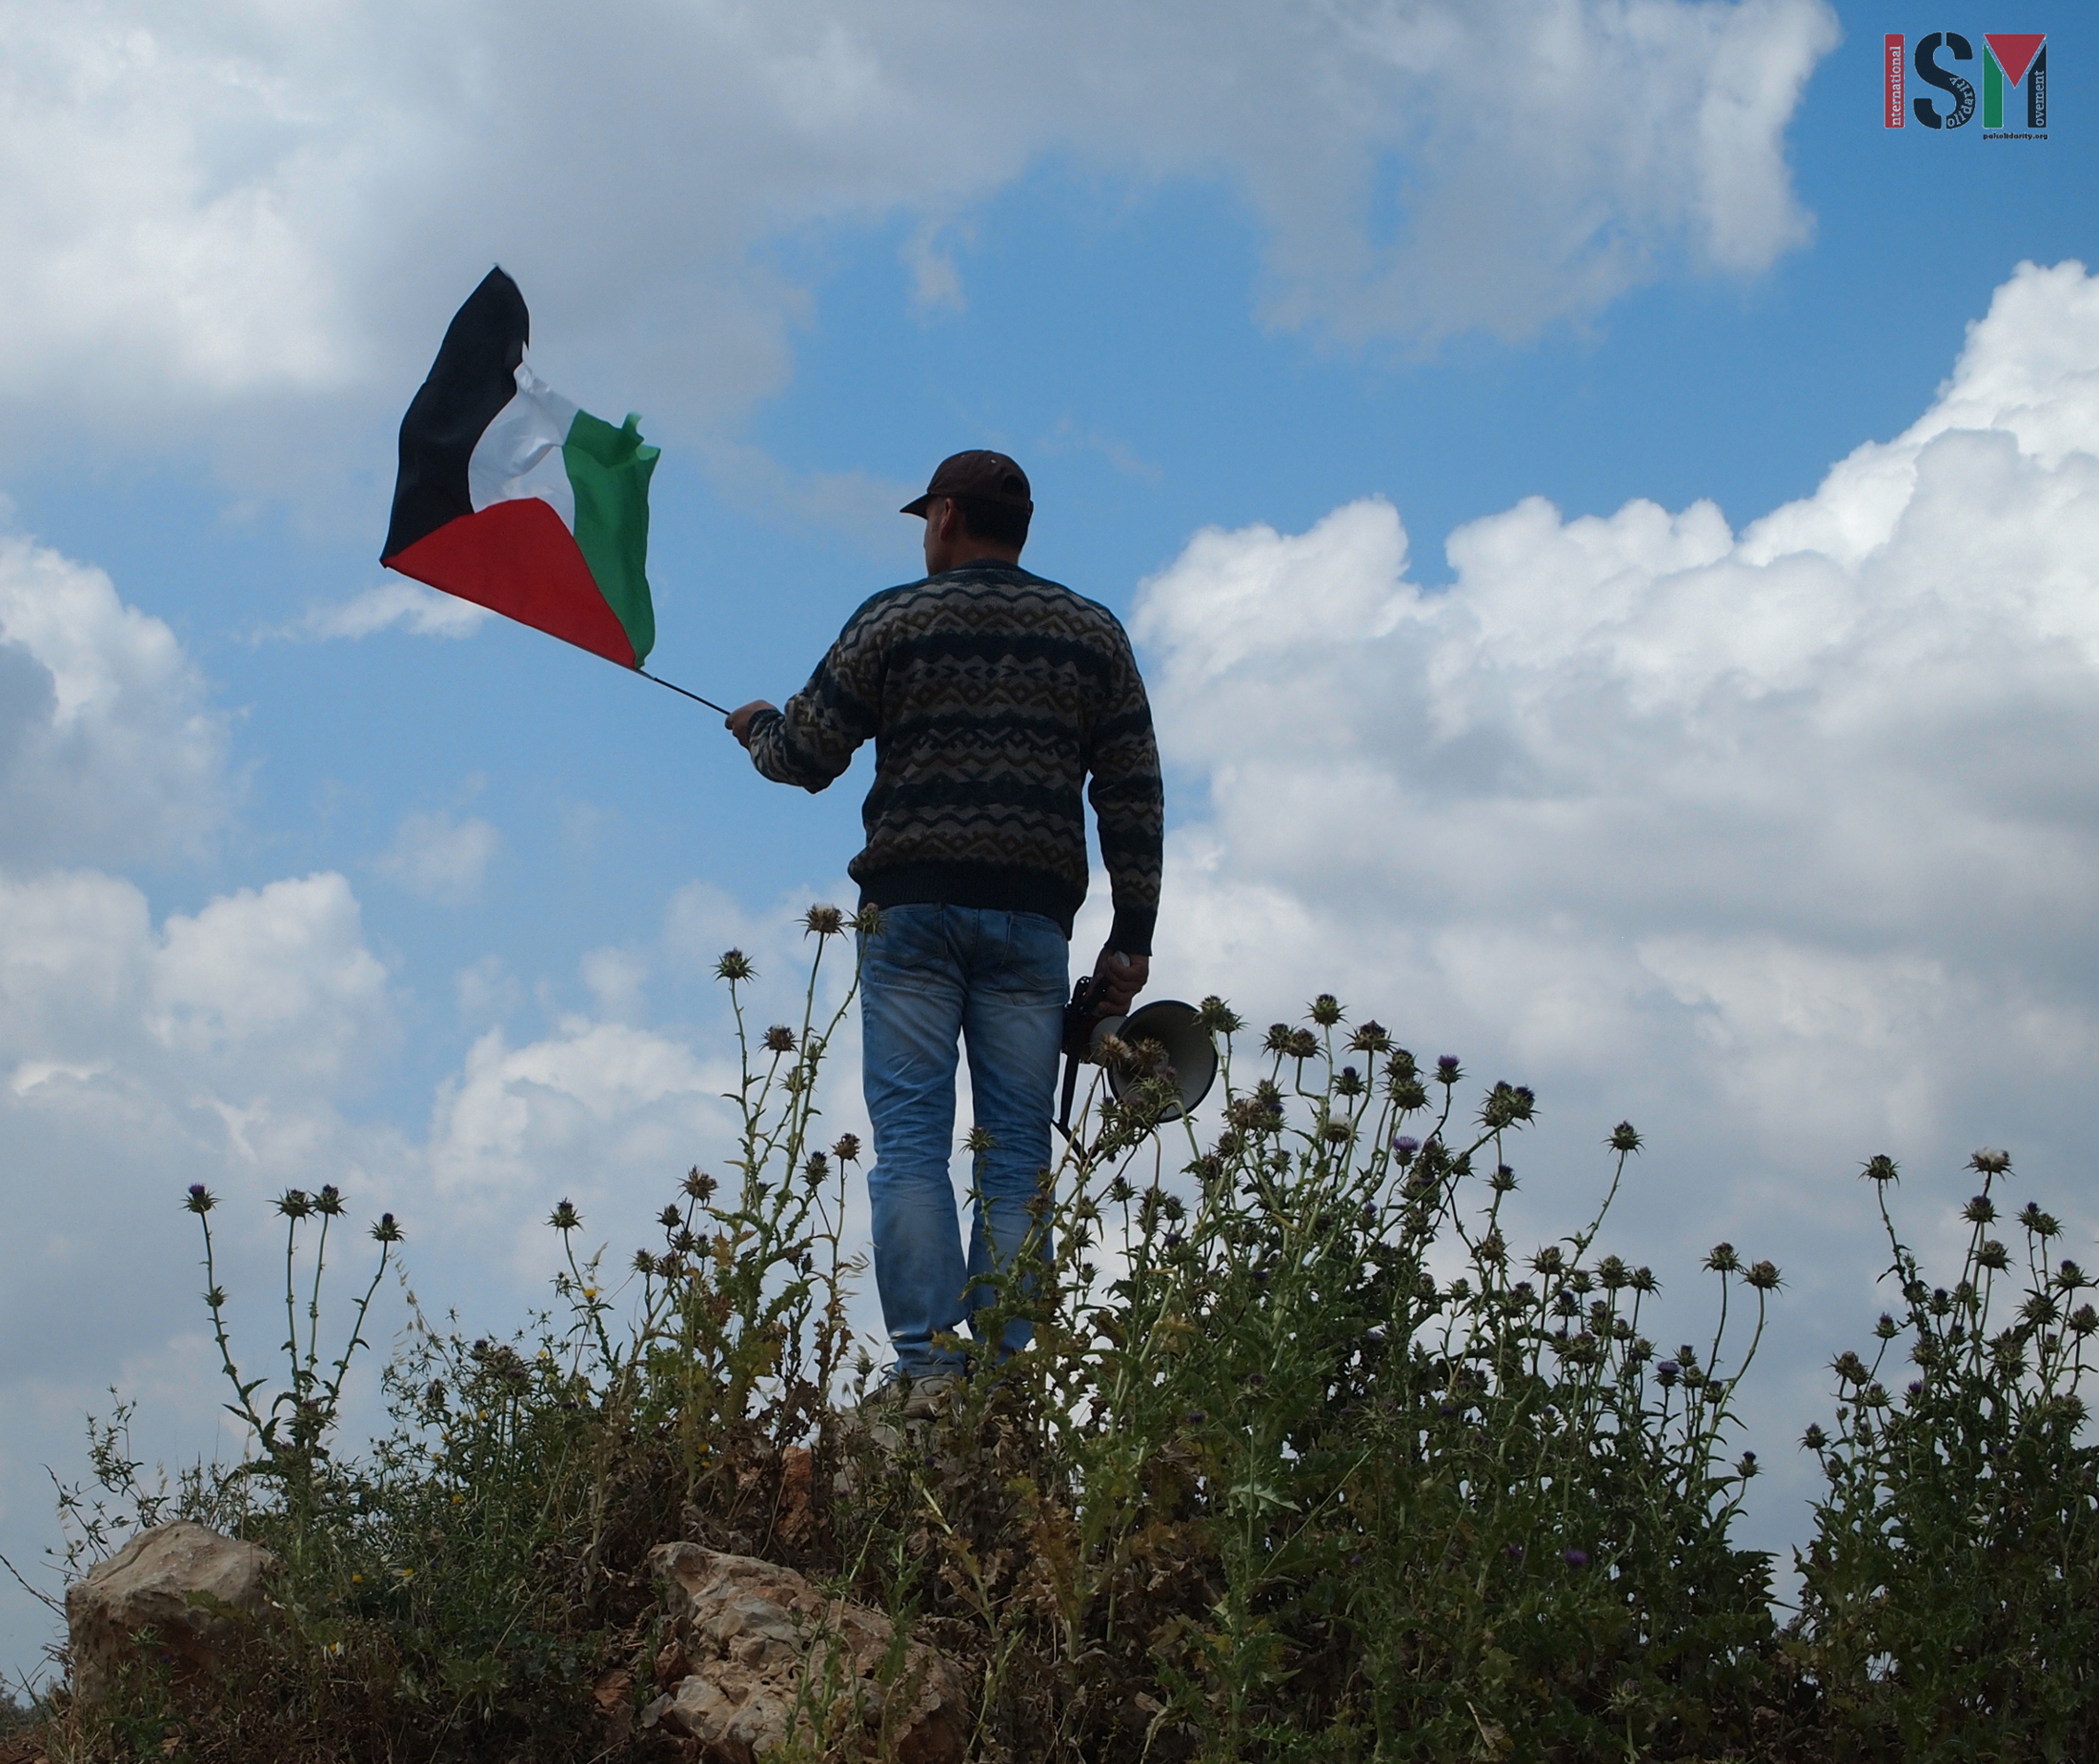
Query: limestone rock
756, 1652
181, 1580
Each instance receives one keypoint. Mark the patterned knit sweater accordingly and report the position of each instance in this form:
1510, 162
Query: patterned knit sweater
990, 694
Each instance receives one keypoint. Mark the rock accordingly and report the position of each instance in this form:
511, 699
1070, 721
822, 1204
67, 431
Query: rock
762, 1653
184, 1581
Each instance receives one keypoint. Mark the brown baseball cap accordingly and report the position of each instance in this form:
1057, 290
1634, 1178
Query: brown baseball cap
989, 477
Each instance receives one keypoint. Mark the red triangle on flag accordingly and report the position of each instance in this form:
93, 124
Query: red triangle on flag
2014, 50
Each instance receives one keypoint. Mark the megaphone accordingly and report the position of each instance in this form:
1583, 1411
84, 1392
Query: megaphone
1192, 1056
1191, 1065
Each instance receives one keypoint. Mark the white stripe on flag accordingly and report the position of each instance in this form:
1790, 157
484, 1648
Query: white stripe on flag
519, 454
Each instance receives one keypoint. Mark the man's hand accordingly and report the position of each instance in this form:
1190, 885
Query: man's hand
738, 722
1117, 980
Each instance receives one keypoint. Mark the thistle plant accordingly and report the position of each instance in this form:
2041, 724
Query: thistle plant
1950, 1604
1309, 1459
292, 1428
1289, 1486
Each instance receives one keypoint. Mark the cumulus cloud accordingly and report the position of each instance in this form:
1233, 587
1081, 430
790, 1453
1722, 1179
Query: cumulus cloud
1783, 840
209, 206
109, 750
439, 858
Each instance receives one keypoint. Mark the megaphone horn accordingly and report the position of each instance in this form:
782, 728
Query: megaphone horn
1190, 1055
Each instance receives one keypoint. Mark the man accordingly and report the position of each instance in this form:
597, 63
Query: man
990, 695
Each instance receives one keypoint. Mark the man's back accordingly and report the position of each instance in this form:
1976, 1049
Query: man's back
990, 694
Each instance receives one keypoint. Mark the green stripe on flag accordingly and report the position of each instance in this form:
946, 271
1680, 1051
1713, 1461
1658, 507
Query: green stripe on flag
609, 470
1993, 92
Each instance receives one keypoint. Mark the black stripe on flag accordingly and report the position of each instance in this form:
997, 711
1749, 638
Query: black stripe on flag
471, 379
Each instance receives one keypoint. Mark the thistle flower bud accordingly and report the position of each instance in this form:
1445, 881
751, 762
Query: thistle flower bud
1763, 1276
780, 1039
1990, 1161
199, 1200
385, 1231
1370, 1038
1849, 1367
1447, 1070
1348, 1082
2043, 1225
1885, 1328
824, 920
294, 1203
1624, 1137
1813, 1439
670, 1218
847, 1150
734, 965
1746, 1464
1404, 1145
2084, 1319
565, 1216
644, 1263
1643, 1280
1110, 1050
1303, 1044
1979, 1211
1326, 1010
1722, 1260
1502, 1180
1507, 1105
1277, 1040
1992, 1256
328, 1203
1214, 1016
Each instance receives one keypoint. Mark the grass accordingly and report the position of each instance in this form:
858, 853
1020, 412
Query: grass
1308, 1461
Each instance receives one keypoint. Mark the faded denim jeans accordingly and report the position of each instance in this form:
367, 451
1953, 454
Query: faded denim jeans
997, 982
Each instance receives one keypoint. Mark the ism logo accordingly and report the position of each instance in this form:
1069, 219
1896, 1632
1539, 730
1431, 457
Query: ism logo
2009, 58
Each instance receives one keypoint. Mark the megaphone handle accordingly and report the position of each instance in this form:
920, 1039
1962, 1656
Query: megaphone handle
1070, 1087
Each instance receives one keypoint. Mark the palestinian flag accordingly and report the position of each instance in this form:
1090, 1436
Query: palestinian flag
512, 499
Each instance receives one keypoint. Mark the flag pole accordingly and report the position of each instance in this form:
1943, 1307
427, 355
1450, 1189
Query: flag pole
695, 697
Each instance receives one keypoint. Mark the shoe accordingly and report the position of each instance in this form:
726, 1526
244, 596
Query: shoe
931, 1395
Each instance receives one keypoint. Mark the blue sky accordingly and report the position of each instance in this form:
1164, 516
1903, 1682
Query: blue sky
1162, 305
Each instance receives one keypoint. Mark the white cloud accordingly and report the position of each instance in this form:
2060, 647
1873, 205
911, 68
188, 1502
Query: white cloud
616, 979
280, 973
108, 749
440, 859
207, 206
421, 612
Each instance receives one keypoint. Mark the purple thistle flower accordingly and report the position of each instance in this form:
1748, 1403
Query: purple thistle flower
1575, 1559
1404, 1145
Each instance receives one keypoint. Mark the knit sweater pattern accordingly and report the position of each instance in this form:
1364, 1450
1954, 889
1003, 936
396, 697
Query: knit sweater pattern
990, 695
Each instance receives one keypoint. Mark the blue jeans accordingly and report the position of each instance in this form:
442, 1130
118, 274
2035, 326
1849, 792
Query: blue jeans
997, 980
